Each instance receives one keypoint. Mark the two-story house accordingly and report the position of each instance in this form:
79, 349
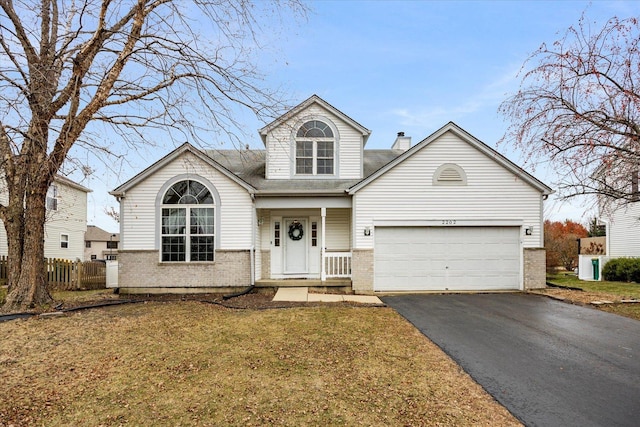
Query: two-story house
99, 244
65, 223
449, 213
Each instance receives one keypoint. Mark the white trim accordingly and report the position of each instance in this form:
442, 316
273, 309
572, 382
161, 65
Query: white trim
438, 173
293, 147
449, 222
314, 99
217, 204
323, 246
67, 241
302, 202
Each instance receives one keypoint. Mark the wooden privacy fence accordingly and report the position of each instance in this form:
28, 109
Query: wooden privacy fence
65, 275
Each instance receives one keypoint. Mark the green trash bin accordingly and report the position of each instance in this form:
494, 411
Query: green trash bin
595, 263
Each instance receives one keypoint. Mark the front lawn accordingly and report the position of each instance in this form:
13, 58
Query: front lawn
191, 363
622, 289
592, 291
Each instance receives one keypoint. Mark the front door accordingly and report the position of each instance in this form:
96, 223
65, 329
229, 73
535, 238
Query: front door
295, 235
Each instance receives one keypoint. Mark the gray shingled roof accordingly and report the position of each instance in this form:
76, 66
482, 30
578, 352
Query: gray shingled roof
97, 234
249, 165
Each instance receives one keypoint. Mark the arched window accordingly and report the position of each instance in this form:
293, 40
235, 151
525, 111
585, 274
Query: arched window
315, 149
188, 222
449, 174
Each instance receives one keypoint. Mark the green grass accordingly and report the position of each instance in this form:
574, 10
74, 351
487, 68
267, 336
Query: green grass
622, 289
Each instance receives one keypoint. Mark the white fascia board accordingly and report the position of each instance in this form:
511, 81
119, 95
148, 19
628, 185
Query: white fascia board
303, 105
450, 222
470, 139
302, 202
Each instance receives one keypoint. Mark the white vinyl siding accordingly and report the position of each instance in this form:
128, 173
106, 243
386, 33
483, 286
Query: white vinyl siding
70, 219
624, 232
281, 146
338, 224
139, 226
406, 193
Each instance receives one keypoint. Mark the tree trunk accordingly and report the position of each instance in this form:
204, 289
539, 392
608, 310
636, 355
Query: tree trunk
14, 228
30, 290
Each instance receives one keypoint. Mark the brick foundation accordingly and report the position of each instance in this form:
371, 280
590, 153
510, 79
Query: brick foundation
141, 269
535, 268
265, 257
362, 271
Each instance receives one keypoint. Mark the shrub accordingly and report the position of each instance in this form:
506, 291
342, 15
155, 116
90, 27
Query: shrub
622, 270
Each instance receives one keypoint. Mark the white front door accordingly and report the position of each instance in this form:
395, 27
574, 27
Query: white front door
295, 235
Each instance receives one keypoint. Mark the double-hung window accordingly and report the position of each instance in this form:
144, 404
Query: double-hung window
52, 198
315, 149
188, 226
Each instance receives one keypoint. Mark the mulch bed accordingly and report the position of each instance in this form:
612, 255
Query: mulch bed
255, 300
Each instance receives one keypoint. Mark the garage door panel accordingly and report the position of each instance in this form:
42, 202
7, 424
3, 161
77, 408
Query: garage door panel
446, 258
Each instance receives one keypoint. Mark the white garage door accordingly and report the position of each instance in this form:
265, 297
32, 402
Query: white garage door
446, 258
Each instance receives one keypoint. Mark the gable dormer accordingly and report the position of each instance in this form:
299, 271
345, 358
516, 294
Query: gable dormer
314, 141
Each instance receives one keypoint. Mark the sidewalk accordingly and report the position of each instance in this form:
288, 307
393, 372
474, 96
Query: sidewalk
302, 295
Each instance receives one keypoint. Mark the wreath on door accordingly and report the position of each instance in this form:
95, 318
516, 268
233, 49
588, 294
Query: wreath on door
295, 230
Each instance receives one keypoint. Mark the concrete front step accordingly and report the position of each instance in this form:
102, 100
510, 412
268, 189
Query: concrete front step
306, 283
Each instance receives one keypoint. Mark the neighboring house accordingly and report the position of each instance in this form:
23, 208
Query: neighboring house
623, 238
65, 223
447, 214
100, 244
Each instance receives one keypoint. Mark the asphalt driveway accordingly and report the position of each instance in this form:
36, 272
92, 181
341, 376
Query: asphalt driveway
549, 363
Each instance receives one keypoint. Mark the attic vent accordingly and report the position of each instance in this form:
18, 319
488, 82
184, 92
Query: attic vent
449, 174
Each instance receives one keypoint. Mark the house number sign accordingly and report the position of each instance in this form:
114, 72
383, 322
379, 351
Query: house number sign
448, 222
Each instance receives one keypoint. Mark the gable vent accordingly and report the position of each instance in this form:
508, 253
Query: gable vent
449, 174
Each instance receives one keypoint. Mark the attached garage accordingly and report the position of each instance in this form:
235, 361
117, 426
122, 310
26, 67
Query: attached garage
453, 258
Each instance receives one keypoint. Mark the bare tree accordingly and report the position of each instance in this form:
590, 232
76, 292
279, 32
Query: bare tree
128, 65
579, 106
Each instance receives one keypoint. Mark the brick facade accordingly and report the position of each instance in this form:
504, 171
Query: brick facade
141, 269
535, 268
362, 270
265, 259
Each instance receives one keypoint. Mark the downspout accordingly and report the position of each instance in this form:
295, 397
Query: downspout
252, 251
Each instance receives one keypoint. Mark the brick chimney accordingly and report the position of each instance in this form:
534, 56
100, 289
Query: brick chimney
402, 142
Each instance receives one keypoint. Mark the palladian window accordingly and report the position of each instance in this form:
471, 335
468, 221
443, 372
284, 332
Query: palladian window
188, 225
315, 149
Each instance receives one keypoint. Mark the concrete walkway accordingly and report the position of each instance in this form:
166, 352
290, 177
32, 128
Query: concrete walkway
302, 295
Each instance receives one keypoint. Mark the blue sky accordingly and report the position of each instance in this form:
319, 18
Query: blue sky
406, 66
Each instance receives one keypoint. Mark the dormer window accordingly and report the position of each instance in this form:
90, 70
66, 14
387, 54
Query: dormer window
315, 149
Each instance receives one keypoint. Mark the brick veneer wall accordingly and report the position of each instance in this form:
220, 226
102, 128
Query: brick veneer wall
266, 264
141, 269
535, 268
362, 270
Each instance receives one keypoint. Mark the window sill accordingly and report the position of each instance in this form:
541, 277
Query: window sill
186, 262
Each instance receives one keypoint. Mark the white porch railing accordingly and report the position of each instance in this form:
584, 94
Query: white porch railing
337, 264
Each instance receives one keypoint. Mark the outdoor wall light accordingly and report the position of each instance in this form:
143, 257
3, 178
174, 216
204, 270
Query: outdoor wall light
529, 230
367, 231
